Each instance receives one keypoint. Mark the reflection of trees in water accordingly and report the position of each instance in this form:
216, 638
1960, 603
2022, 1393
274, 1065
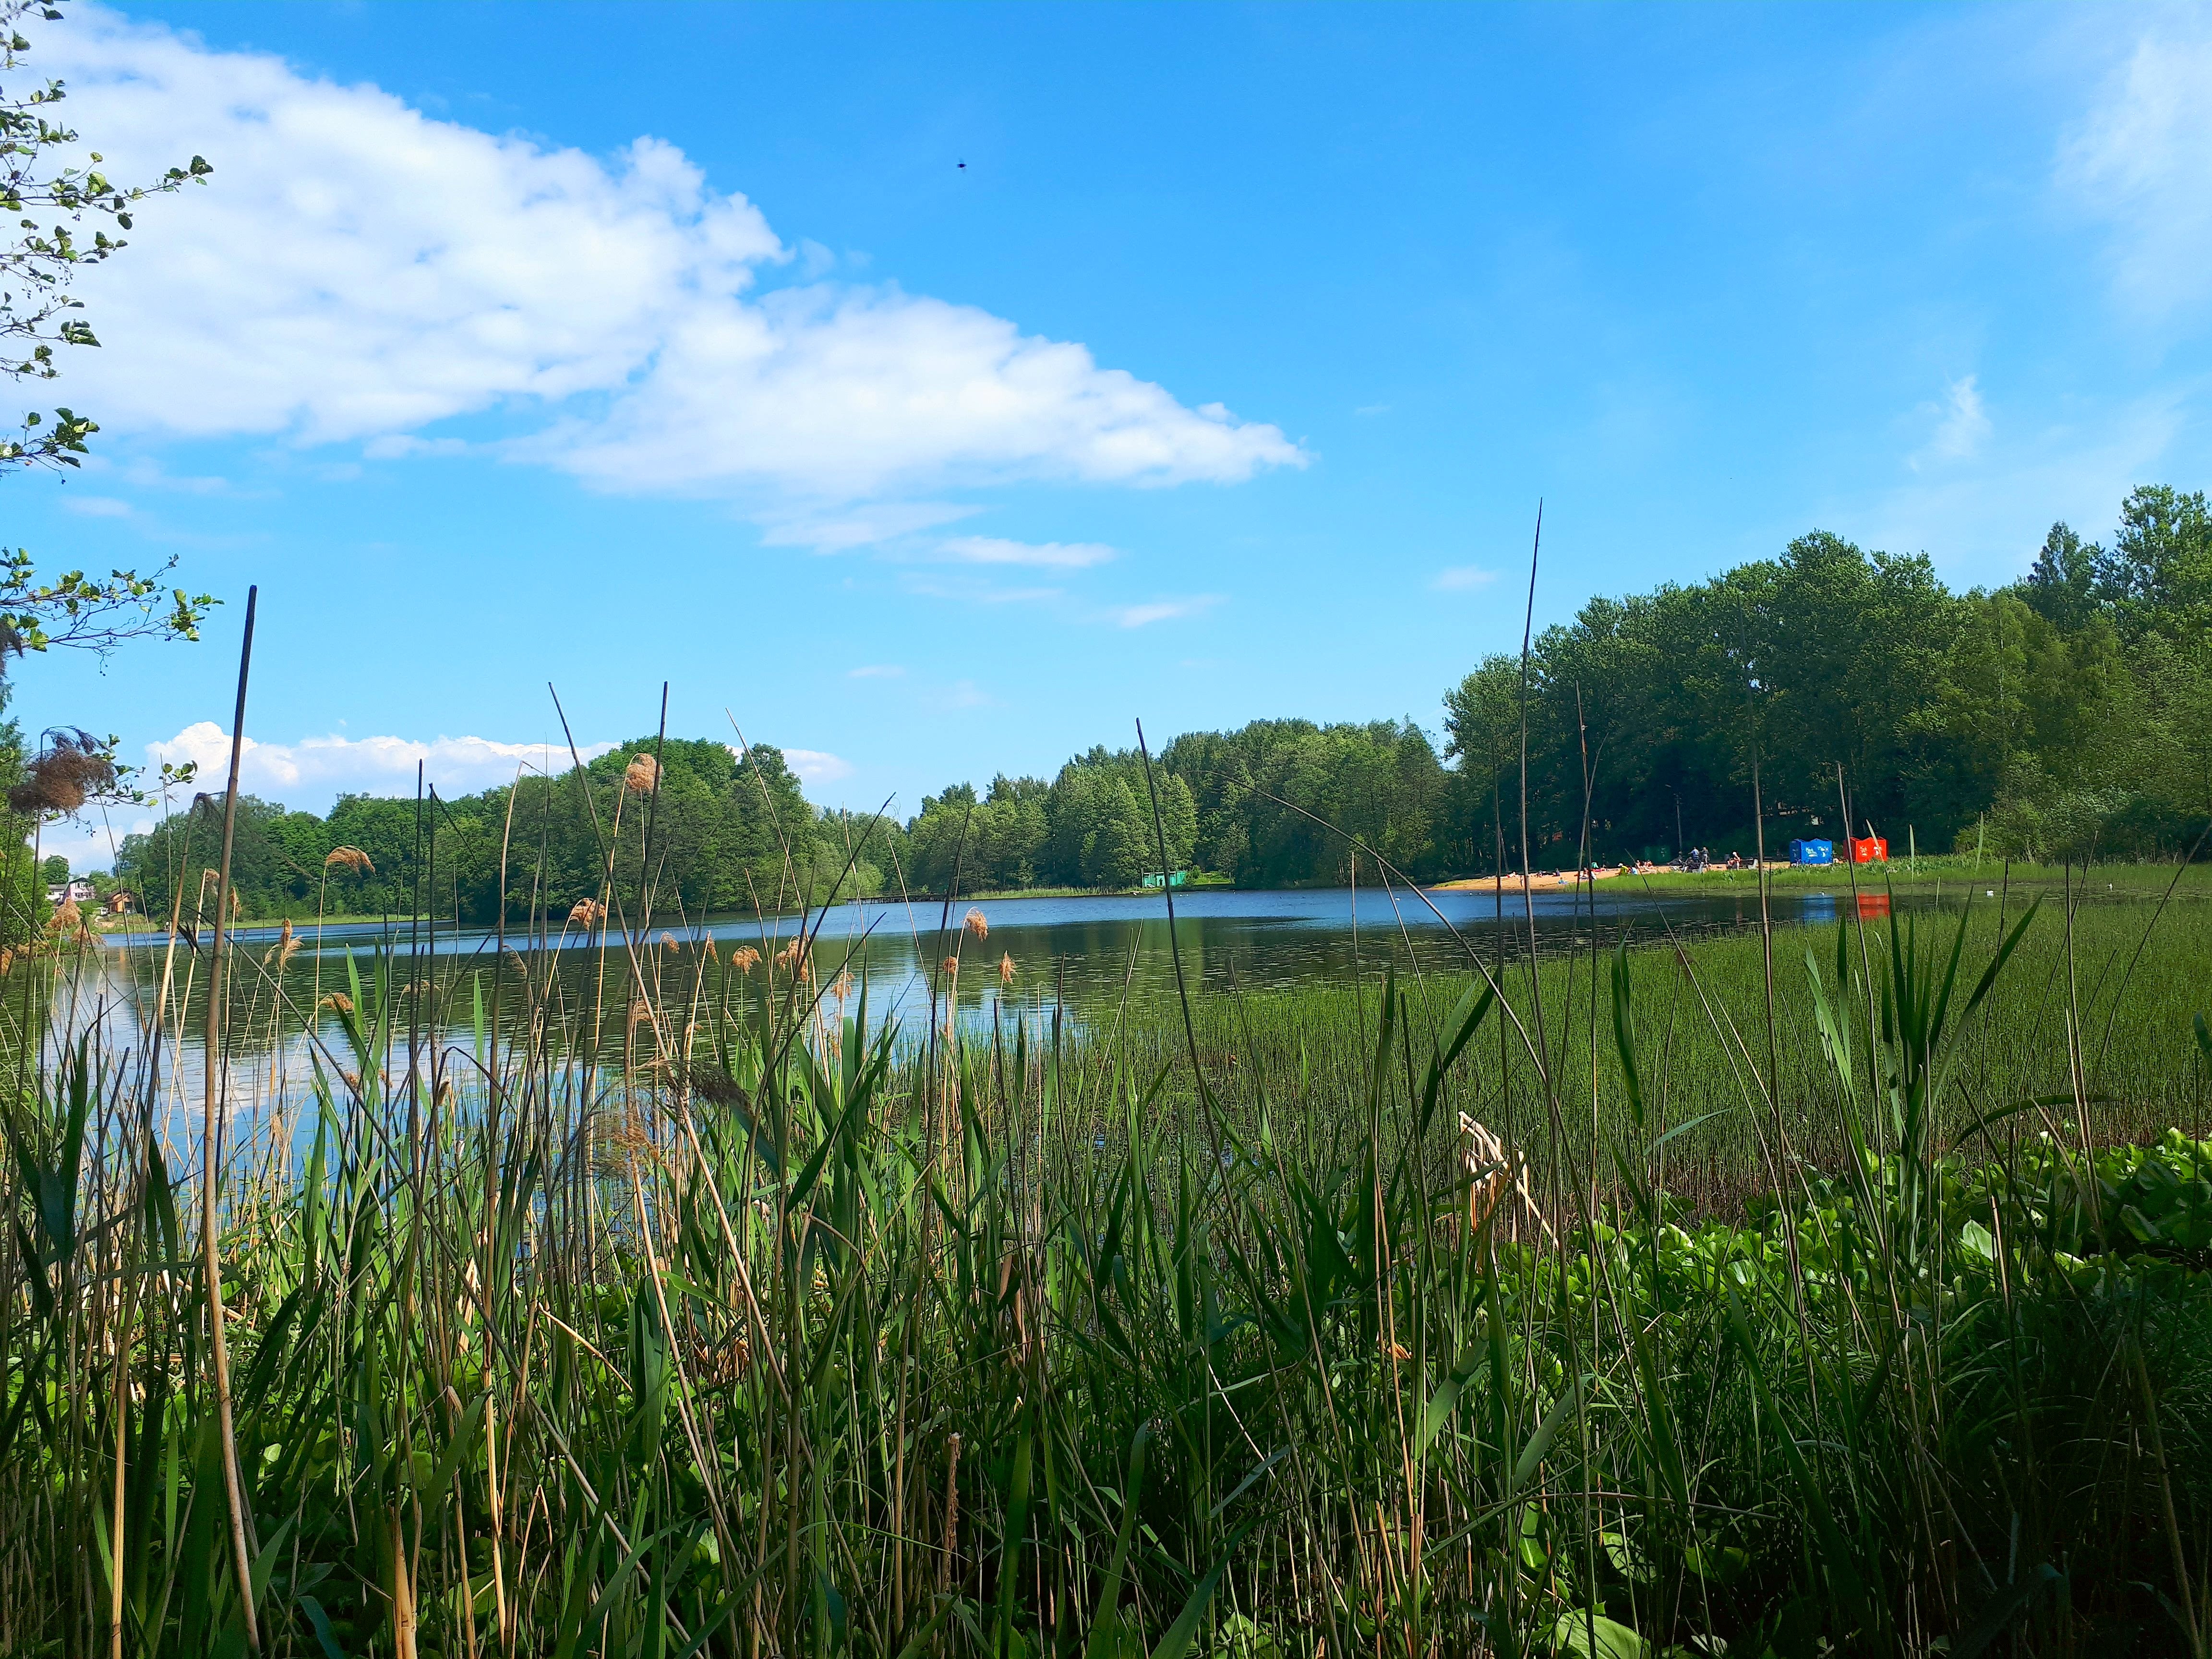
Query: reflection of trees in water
580, 1001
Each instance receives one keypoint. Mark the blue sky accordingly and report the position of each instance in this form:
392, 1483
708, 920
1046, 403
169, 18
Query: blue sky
606, 346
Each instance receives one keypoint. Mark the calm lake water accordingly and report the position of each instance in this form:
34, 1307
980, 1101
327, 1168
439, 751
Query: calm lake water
1083, 955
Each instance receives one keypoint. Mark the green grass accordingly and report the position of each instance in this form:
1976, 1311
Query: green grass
1949, 873
770, 1335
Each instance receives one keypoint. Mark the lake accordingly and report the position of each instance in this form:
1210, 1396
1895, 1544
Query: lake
1081, 955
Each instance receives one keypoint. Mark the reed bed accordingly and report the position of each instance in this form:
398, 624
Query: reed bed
1394, 1320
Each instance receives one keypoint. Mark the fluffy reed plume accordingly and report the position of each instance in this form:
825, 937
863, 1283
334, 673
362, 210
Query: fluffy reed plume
793, 956
587, 913
620, 1143
642, 775
668, 942
7, 960
744, 958
338, 1002
951, 966
975, 923
707, 944
73, 765
1006, 969
640, 1012
286, 947
841, 988
351, 860
69, 922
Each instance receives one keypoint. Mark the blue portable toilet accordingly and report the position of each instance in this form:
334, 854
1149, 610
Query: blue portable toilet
1812, 851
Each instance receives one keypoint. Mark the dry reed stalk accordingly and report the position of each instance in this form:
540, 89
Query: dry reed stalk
403, 1591
210, 1169
952, 1509
1494, 1173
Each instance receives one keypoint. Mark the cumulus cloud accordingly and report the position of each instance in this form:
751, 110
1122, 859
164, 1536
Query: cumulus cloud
2140, 159
1462, 578
312, 772
358, 271
814, 766
91, 842
1051, 556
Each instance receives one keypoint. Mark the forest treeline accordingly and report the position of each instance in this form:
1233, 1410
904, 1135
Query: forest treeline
2066, 715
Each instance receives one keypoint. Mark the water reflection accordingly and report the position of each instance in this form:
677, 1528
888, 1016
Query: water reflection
577, 991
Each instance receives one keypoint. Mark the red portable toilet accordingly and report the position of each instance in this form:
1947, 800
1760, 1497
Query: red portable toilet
1873, 849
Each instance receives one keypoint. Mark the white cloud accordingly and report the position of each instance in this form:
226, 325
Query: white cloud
97, 507
1962, 427
1051, 556
312, 772
876, 671
92, 840
1140, 616
2140, 159
859, 526
399, 447
357, 271
1368, 411
1462, 578
814, 766
1983, 521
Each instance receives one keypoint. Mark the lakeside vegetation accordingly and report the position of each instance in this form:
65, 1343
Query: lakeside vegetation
2064, 718
1854, 1332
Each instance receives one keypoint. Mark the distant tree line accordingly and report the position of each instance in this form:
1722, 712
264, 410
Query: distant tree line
2066, 715
704, 829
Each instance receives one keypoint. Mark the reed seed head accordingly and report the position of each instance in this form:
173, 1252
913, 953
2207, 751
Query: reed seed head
951, 967
350, 860
74, 765
642, 775
1006, 969
744, 958
338, 1002
587, 913
976, 924
668, 942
